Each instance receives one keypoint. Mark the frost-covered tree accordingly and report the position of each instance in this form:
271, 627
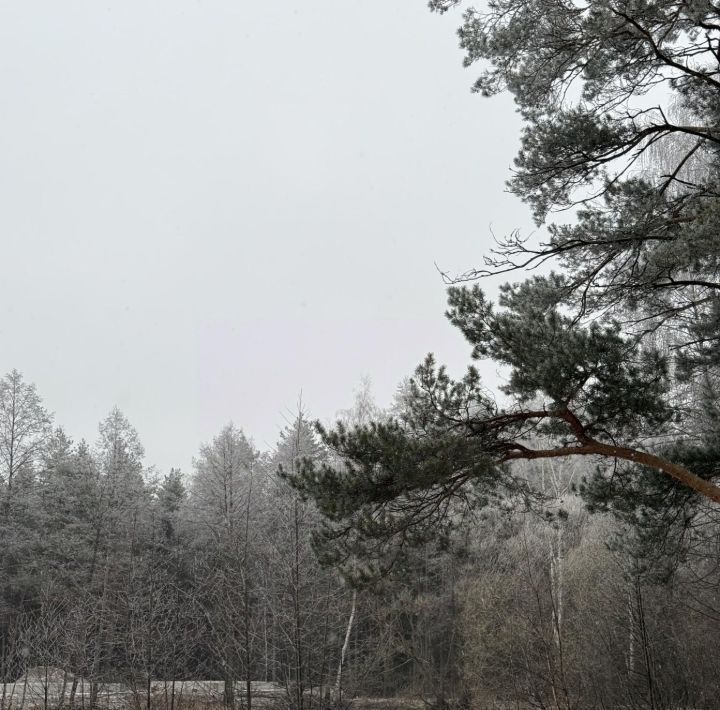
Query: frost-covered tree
222, 476
69, 502
24, 427
223, 496
120, 452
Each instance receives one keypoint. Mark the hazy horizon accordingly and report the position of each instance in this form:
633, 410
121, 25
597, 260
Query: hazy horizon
212, 207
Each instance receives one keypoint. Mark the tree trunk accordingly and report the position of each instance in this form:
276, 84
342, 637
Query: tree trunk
101, 640
556, 581
647, 652
73, 690
345, 646
228, 692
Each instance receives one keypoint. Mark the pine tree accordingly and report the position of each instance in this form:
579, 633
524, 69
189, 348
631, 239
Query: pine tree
642, 256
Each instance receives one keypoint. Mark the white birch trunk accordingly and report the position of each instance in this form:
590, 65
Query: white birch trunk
556, 581
345, 646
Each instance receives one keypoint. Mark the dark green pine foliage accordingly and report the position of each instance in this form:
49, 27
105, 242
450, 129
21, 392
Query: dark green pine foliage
643, 173
616, 354
599, 352
411, 479
386, 489
617, 386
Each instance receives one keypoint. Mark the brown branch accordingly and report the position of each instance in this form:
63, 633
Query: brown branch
597, 448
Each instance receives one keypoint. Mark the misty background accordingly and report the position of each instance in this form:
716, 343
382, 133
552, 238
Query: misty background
211, 207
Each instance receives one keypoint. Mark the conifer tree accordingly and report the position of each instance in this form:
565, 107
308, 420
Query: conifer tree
642, 256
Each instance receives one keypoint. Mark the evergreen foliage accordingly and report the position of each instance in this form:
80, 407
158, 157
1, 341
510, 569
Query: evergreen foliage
150, 580
621, 110
621, 102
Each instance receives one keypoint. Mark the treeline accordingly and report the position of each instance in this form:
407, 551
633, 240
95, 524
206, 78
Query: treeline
116, 575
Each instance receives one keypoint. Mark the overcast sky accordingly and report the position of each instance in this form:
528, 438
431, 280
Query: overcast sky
210, 206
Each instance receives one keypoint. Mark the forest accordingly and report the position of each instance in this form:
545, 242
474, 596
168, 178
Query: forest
550, 543
122, 577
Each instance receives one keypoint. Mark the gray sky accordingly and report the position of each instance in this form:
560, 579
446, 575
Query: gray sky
209, 206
